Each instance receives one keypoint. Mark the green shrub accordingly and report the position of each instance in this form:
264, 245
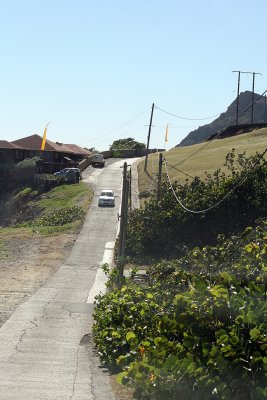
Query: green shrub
59, 217
198, 329
164, 227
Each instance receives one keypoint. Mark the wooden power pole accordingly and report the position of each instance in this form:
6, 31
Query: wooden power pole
148, 136
123, 222
159, 177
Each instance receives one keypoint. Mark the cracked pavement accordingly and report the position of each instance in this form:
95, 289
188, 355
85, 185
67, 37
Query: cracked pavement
46, 347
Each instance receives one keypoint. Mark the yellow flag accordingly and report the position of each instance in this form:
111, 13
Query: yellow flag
44, 138
166, 135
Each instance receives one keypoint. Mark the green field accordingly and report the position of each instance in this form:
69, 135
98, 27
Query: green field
209, 159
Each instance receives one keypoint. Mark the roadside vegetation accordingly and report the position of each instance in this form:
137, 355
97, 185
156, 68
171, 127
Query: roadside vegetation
58, 210
165, 228
196, 327
206, 161
119, 145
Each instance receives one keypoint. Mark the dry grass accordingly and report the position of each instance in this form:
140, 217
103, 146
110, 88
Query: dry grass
209, 159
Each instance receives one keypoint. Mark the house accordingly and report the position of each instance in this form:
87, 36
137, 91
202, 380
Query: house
79, 151
10, 153
56, 155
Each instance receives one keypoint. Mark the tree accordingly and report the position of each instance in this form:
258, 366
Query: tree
127, 144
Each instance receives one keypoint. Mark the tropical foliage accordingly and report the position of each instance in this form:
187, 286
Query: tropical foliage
163, 227
128, 144
198, 328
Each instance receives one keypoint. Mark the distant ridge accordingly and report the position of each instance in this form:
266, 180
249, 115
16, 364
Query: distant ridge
228, 118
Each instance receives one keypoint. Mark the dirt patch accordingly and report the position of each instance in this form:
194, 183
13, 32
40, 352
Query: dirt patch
121, 392
26, 262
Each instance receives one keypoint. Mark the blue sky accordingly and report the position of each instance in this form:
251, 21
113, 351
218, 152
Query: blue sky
93, 68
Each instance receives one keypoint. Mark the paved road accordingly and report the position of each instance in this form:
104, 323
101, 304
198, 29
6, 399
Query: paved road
46, 349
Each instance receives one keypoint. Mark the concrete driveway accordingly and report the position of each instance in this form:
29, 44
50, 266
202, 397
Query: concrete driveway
46, 348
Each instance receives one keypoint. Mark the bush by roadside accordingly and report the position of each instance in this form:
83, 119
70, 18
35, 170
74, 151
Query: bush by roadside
197, 329
164, 228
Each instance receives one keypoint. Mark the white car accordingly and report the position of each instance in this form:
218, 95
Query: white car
106, 198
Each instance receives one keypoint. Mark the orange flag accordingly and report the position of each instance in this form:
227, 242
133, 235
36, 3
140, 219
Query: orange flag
166, 134
44, 138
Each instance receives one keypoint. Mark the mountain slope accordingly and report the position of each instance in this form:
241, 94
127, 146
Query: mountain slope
228, 118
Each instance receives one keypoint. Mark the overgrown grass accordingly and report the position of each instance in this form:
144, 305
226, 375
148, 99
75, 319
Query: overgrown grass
26, 192
64, 196
62, 209
209, 159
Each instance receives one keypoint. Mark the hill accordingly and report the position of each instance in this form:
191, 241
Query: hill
207, 160
228, 118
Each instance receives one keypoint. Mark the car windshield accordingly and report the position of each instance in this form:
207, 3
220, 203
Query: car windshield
108, 194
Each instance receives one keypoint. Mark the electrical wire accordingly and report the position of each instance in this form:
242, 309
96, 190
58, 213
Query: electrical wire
189, 119
102, 140
171, 126
122, 125
221, 200
179, 170
219, 133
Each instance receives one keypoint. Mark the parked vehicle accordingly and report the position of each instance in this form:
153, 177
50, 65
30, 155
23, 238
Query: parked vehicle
106, 198
70, 174
97, 160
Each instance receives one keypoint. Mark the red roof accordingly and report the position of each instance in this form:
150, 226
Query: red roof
4, 144
76, 149
34, 142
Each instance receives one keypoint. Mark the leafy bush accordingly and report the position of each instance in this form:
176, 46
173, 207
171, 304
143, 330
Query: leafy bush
28, 163
59, 217
25, 193
127, 144
198, 329
163, 228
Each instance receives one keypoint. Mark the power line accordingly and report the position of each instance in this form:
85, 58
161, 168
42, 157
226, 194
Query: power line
221, 200
122, 125
172, 126
189, 119
219, 133
101, 140
179, 170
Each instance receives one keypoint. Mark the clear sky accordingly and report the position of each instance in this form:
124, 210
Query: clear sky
93, 68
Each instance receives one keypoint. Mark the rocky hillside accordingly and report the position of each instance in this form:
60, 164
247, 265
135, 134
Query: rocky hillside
228, 118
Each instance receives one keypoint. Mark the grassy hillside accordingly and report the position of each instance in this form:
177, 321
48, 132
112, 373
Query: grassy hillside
61, 209
208, 159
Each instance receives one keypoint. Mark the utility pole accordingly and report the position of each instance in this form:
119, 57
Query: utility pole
130, 188
252, 101
238, 87
159, 177
237, 97
148, 136
123, 223
122, 209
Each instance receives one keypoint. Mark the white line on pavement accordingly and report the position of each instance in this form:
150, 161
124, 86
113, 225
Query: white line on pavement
99, 285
